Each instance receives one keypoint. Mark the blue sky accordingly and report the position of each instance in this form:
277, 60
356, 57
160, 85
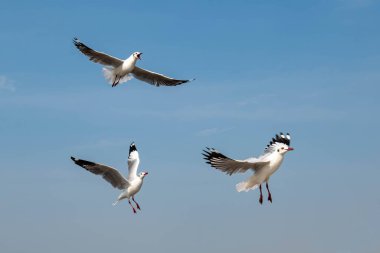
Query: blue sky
307, 67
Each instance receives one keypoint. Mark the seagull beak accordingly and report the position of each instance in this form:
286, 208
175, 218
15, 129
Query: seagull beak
146, 173
138, 56
290, 148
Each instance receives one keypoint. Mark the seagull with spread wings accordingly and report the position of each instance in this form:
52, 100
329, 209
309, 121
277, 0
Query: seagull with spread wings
118, 71
130, 186
263, 166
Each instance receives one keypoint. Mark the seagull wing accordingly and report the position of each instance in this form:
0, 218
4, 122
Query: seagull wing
133, 162
111, 175
96, 56
231, 166
155, 78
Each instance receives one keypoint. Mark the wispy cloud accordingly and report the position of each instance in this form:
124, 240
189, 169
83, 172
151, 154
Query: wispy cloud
211, 131
255, 100
273, 112
102, 144
6, 84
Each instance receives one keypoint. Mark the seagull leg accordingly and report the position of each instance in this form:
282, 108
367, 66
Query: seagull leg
261, 195
137, 205
118, 80
114, 82
269, 195
134, 211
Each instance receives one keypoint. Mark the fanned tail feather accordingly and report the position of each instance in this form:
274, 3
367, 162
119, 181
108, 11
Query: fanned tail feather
246, 186
110, 76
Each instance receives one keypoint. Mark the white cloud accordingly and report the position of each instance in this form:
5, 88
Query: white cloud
6, 84
212, 131
103, 144
273, 111
256, 100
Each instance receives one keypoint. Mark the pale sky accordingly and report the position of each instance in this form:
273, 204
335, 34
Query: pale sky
310, 68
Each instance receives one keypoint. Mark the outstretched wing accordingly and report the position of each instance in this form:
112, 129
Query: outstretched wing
155, 78
96, 56
111, 175
228, 165
133, 162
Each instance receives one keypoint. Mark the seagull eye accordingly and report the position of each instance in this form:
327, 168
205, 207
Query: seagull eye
282, 148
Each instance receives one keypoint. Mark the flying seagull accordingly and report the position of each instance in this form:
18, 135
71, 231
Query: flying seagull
263, 166
119, 71
130, 186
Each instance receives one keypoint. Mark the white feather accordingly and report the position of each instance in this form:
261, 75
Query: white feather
109, 75
245, 186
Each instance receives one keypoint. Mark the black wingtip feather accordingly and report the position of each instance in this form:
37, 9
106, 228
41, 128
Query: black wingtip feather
281, 138
132, 147
81, 162
212, 154
76, 42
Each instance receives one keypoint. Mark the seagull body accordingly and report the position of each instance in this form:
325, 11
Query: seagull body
263, 166
130, 186
118, 71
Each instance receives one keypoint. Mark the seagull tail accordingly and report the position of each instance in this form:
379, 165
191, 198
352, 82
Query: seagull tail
109, 75
246, 186
112, 78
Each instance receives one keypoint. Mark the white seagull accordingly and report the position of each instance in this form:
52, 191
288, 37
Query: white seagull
130, 185
119, 71
263, 166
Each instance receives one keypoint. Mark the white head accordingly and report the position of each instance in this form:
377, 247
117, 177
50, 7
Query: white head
143, 174
137, 55
282, 148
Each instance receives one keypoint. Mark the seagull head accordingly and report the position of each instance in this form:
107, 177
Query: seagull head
137, 55
143, 174
280, 144
283, 148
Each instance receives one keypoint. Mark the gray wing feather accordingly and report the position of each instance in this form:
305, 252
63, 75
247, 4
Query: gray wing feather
230, 166
155, 78
111, 175
96, 56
